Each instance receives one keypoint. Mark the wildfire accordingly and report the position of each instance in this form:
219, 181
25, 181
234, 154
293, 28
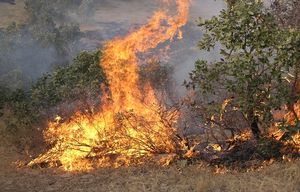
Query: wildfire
131, 124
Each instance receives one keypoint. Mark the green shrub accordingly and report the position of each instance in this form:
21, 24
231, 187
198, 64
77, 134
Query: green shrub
257, 58
25, 111
83, 77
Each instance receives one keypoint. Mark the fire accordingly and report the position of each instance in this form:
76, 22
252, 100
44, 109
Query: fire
132, 124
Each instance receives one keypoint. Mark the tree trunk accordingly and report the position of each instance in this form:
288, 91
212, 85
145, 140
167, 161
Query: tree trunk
254, 124
254, 128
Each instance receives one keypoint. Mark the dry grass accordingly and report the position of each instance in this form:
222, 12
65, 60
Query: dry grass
279, 177
12, 13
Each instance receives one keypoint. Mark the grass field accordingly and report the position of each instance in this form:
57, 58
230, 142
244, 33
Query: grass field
12, 13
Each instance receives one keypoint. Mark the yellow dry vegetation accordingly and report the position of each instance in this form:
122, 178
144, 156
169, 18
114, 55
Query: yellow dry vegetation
279, 177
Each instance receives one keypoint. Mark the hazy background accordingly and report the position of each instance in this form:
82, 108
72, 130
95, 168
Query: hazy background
100, 21
117, 17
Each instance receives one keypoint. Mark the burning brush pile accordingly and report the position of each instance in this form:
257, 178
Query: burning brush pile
131, 125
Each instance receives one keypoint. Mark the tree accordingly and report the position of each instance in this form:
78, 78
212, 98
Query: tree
287, 13
48, 24
58, 9
256, 59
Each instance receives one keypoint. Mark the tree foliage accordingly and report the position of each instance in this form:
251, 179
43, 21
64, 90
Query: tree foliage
257, 57
48, 24
287, 12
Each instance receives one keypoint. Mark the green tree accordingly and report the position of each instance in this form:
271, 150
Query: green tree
287, 13
58, 9
256, 59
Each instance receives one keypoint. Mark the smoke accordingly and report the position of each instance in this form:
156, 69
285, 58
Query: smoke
118, 17
23, 61
183, 58
103, 20
33, 55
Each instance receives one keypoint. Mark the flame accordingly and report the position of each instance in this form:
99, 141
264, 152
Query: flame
289, 118
132, 124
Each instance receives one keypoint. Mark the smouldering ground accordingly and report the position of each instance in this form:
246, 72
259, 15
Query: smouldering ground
283, 177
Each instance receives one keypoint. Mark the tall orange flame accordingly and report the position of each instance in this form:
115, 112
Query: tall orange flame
131, 124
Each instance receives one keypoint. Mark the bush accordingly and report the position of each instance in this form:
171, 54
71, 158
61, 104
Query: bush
24, 112
257, 58
73, 82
